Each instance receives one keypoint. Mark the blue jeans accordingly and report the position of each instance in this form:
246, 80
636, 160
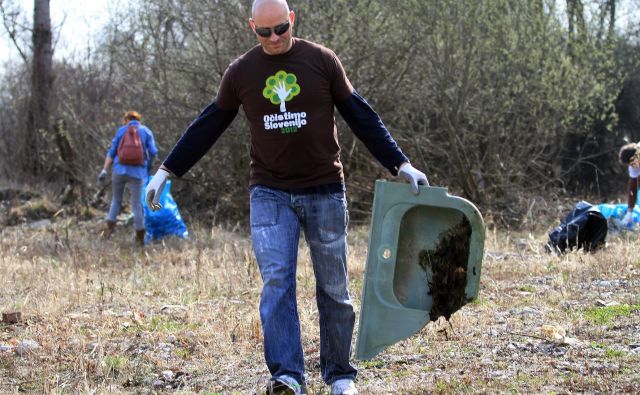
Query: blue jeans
277, 216
118, 183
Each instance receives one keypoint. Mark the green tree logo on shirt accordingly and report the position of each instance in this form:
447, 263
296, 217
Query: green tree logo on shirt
280, 88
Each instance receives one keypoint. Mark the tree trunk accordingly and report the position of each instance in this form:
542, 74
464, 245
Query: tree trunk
575, 16
41, 86
612, 19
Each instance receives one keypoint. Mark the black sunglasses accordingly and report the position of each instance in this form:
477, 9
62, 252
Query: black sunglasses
278, 30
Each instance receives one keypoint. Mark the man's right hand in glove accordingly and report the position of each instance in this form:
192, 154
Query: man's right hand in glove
154, 189
628, 219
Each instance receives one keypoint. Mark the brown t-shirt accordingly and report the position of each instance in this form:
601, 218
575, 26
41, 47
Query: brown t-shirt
289, 102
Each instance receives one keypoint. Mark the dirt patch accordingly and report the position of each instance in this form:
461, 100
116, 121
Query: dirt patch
448, 263
31, 210
22, 206
11, 198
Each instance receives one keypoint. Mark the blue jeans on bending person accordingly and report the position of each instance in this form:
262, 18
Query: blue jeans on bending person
277, 217
118, 183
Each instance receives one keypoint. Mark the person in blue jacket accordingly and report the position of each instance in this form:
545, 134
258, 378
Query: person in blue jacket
132, 175
289, 88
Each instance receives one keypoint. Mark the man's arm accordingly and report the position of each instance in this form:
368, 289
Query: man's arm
194, 143
632, 196
203, 132
369, 128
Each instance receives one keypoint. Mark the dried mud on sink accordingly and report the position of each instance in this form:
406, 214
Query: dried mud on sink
448, 263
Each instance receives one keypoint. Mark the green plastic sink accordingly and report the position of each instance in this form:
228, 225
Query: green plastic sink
424, 260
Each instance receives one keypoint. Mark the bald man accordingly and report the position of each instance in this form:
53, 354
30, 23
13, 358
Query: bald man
288, 88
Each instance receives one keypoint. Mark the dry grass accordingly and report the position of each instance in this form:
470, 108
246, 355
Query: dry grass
110, 318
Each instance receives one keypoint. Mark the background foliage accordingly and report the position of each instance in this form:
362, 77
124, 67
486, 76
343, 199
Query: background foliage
502, 101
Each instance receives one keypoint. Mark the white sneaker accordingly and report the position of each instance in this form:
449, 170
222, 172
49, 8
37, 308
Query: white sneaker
343, 387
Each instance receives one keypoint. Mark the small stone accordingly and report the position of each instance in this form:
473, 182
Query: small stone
167, 375
74, 343
486, 362
39, 224
158, 383
521, 243
602, 303
26, 346
605, 284
498, 374
168, 308
5, 348
565, 305
570, 341
172, 339
529, 310
164, 347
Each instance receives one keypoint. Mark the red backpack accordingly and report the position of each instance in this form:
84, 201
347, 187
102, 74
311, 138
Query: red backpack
130, 150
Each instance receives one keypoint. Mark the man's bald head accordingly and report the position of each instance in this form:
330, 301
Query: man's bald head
267, 15
259, 4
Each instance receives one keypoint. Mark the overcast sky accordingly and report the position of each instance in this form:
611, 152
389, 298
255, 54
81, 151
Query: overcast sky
80, 19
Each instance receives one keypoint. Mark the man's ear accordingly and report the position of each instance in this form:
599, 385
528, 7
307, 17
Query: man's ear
252, 24
292, 17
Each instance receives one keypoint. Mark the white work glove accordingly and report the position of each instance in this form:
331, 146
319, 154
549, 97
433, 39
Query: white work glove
628, 219
414, 176
154, 189
102, 176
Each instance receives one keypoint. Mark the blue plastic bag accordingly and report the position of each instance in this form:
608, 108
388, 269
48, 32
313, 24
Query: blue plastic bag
165, 222
618, 211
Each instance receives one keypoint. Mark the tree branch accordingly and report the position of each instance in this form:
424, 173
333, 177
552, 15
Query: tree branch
9, 22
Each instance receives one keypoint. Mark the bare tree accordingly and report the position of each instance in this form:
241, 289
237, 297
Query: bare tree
15, 27
38, 121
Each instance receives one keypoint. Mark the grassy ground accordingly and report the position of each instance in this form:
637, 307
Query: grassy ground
182, 317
